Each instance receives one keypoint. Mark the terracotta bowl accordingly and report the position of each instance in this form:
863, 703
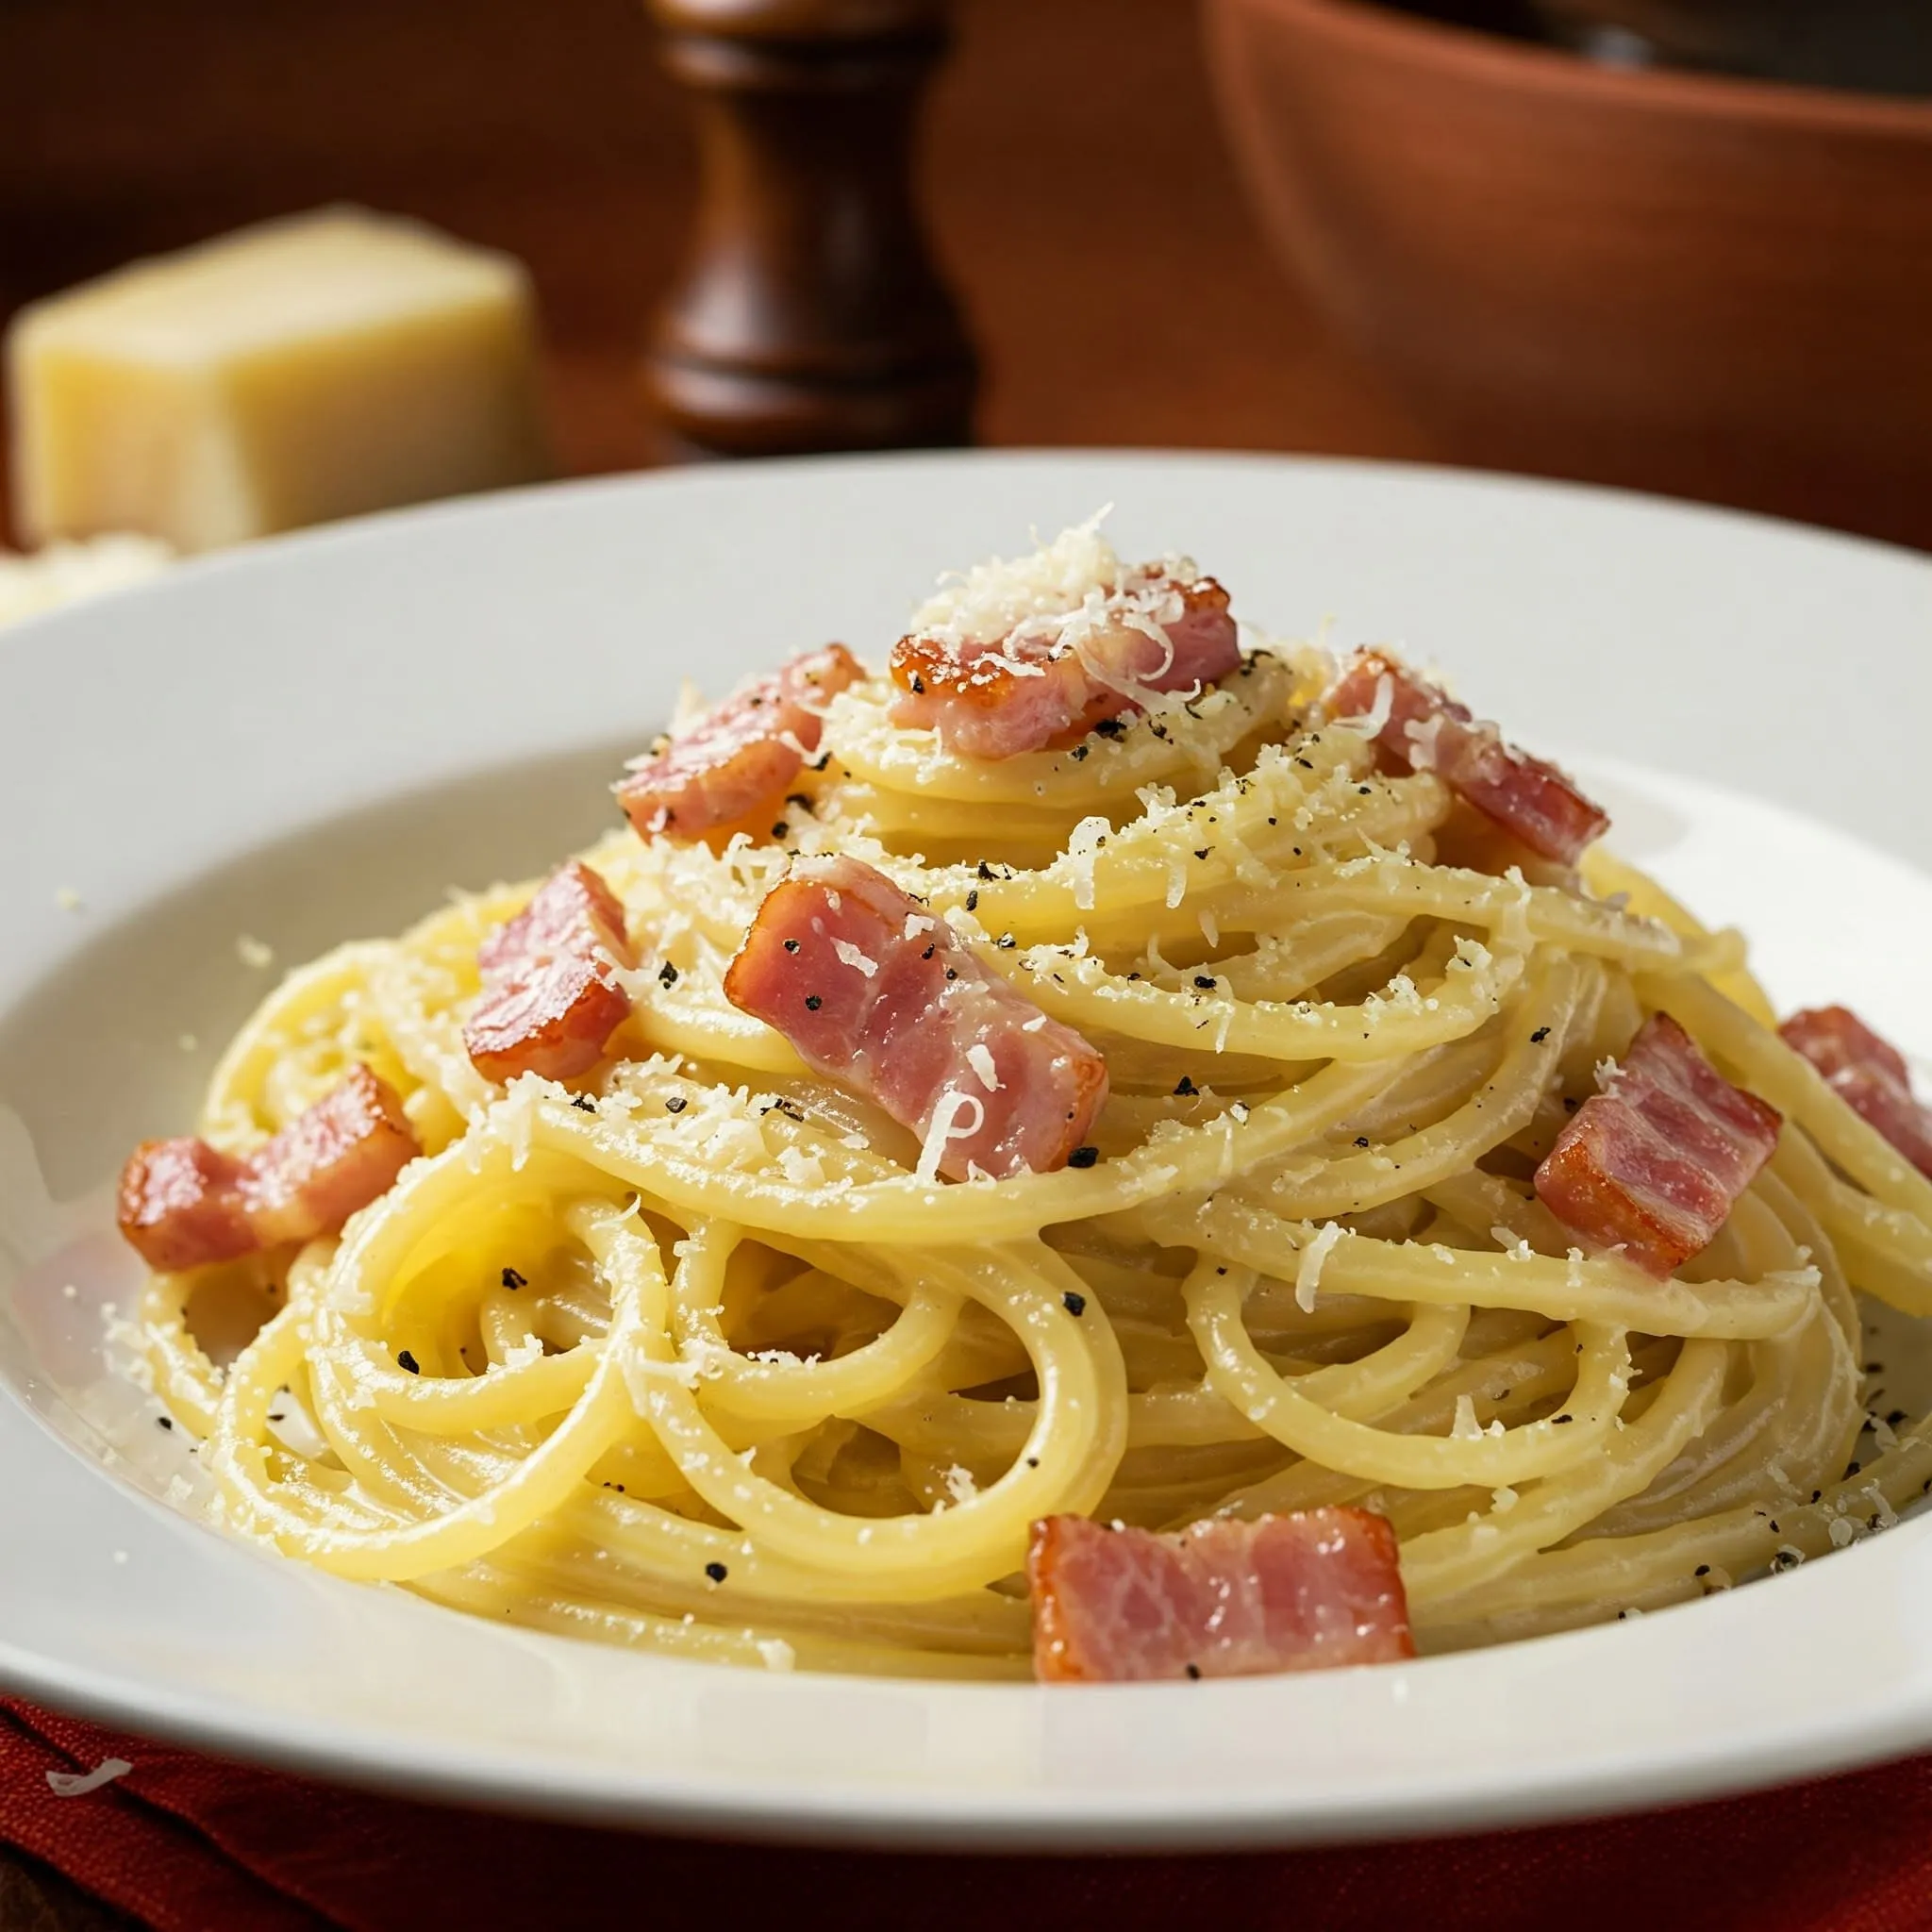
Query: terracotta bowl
1717, 288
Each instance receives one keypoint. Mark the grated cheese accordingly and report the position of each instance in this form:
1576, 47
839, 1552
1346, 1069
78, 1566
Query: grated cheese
1082, 855
1513, 1244
980, 1060
77, 1784
705, 1357
801, 1169
1307, 1273
943, 1128
1421, 737
1057, 595
1371, 722
849, 954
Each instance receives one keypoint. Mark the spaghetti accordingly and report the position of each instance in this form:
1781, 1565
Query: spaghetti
691, 1353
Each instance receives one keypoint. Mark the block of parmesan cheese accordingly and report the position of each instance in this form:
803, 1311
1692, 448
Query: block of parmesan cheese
306, 369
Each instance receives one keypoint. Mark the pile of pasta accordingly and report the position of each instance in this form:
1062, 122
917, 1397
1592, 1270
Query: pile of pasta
688, 1355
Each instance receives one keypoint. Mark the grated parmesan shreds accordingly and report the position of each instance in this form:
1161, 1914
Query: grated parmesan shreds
1081, 856
1374, 720
1307, 1273
707, 1360
1063, 593
1513, 1244
850, 955
980, 1060
1465, 1428
943, 1127
77, 1784
801, 1168
1421, 735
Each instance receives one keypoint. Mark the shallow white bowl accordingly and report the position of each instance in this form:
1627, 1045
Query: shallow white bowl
314, 738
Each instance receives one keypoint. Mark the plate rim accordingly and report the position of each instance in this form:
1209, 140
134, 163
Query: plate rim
249, 555
730, 1805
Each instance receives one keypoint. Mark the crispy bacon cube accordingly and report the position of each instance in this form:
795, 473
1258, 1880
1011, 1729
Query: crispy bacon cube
1423, 729
1654, 1164
180, 1206
734, 763
1868, 1073
881, 997
328, 1162
992, 698
1220, 1599
550, 1001
185, 1205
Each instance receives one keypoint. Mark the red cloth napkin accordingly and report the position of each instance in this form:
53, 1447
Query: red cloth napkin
190, 1844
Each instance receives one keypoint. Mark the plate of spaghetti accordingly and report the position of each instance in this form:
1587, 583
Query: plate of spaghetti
919, 1160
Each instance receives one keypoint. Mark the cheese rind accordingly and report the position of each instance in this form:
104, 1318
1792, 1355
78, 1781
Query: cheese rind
290, 373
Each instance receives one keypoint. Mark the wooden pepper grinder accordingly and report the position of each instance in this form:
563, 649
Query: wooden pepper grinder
811, 315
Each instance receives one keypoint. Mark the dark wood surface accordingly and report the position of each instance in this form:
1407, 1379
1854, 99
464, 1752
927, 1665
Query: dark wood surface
1080, 198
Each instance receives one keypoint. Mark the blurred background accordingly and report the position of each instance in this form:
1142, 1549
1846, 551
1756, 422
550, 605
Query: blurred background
1685, 244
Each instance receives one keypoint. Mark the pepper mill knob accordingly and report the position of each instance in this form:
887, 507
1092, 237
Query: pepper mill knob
811, 315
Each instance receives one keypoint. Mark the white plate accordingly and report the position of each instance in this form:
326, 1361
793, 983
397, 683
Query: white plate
311, 738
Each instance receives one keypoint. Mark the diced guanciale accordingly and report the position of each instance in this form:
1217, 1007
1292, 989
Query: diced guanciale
1654, 1162
1868, 1073
185, 1205
1420, 728
1220, 1599
993, 697
550, 1000
730, 768
881, 997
